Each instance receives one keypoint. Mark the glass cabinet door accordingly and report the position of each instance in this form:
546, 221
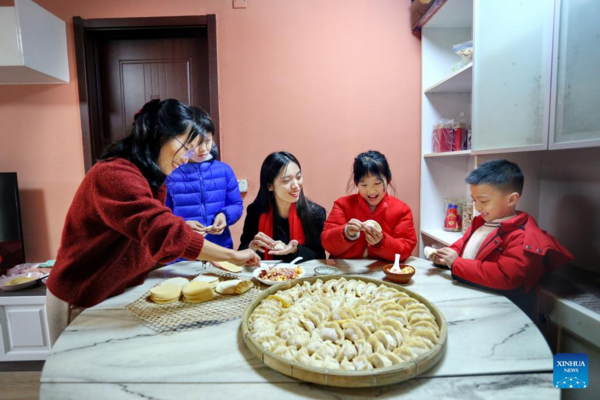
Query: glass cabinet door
577, 107
512, 65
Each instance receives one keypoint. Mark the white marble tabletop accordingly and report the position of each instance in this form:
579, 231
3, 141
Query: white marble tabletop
493, 351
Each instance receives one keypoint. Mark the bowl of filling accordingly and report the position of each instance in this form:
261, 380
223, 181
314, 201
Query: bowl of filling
272, 274
402, 276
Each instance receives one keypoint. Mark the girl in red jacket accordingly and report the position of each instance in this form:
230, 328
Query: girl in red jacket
348, 235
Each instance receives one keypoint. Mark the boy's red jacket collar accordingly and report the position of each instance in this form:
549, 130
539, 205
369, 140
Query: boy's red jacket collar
535, 240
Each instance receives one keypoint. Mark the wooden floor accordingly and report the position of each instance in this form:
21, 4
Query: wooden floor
20, 380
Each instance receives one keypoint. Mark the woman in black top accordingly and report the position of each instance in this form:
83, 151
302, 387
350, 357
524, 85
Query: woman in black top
281, 213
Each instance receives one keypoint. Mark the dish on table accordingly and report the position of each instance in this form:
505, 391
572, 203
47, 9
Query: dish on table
272, 274
21, 281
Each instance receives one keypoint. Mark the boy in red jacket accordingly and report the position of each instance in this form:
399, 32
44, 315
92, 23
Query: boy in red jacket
504, 249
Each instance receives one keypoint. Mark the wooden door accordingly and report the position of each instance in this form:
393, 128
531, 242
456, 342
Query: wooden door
134, 71
124, 62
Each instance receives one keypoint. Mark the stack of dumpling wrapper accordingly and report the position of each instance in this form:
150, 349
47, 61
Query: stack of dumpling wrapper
197, 292
165, 293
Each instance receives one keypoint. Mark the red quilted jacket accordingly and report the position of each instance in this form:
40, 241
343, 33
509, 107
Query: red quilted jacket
514, 255
393, 215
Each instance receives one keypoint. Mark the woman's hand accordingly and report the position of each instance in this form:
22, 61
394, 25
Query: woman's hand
197, 227
446, 256
353, 227
219, 224
261, 242
290, 248
246, 257
372, 235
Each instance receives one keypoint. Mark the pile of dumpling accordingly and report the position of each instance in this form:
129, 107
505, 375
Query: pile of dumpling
344, 324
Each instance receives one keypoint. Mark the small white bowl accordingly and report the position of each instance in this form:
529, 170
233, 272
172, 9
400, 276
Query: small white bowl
264, 267
10, 288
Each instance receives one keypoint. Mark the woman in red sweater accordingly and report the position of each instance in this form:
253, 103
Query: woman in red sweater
346, 235
118, 228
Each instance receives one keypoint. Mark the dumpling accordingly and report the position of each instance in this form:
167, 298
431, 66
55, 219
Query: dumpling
428, 325
305, 287
398, 296
416, 345
331, 331
326, 349
393, 323
363, 347
351, 286
370, 322
287, 332
308, 324
355, 330
316, 362
316, 286
394, 337
406, 301
331, 286
302, 356
396, 315
268, 342
362, 363
379, 360
414, 306
287, 352
360, 288
313, 344
298, 339
370, 289
347, 365
385, 338
426, 336
342, 313
331, 363
347, 350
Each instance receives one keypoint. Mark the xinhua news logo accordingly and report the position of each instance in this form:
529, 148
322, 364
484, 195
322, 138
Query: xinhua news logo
571, 371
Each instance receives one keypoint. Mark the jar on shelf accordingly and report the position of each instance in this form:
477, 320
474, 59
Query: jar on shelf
467, 215
453, 215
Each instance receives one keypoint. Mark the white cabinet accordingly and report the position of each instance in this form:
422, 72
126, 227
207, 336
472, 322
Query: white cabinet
33, 45
24, 335
576, 120
512, 60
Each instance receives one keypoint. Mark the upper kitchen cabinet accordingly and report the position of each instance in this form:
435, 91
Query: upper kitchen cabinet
512, 74
575, 116
33, 45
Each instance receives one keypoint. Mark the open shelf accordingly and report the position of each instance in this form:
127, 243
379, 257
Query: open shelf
458, 82
447, 14
444, 237
460, 153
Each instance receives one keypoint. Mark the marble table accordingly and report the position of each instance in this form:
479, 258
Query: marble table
493, 351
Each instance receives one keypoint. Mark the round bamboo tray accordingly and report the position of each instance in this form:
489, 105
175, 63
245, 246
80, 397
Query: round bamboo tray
342, 378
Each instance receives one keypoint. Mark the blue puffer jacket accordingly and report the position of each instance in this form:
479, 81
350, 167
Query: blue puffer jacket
201, 191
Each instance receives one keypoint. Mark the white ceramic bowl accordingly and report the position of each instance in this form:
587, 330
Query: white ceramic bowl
264, 267
10, 288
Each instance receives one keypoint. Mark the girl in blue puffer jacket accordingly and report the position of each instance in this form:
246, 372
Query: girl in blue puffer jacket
205, 191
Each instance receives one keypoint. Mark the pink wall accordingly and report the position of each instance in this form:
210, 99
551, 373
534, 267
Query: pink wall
324, 80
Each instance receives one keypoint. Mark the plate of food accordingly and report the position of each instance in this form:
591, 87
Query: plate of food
272, 274
21, 281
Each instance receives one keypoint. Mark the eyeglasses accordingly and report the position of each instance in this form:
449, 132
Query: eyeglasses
189, 153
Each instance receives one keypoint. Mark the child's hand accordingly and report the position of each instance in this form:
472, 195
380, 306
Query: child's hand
219, 224
446, 256
353, 227
197, 227
290, 248
372, 235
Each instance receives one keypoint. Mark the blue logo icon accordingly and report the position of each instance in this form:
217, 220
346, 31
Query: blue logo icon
571, 371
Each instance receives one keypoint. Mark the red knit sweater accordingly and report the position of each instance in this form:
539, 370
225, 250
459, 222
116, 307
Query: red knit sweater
116, 230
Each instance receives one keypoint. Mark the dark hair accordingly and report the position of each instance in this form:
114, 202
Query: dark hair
208, 125
265, 199
373, 163
501, 174
155, 124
